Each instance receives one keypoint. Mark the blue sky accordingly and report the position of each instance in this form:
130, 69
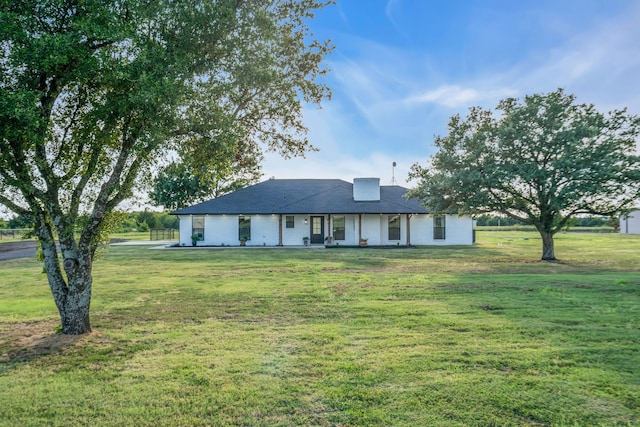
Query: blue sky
402, 68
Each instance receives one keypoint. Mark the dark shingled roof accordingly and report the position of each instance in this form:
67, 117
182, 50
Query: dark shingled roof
302, 196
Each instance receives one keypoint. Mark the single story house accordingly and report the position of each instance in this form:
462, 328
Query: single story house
630, 224
292, 212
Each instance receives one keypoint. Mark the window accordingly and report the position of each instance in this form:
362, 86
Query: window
317, 225
439, 227
394, 227
290, 220
197, 228
338, 227
244, 228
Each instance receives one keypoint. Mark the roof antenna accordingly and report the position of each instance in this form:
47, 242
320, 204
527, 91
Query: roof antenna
393, 175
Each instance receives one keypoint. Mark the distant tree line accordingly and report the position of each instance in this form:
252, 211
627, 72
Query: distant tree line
146, 220
16, 222
131, 221
586, 221
494, 221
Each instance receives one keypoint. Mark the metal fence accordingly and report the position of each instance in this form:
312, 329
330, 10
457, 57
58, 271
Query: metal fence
162, 234
13, 233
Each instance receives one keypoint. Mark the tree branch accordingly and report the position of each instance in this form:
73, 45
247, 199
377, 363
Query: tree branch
13, 206
84, 180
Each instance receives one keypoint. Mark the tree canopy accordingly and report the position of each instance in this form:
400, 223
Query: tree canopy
541, 160
185, 182
94, 93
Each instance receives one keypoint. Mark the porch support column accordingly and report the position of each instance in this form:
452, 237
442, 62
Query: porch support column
280, 230
408, 229
359, 227
329, 228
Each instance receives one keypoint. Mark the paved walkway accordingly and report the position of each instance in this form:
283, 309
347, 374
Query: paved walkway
145, 243
27, 248
243, 247
16, 250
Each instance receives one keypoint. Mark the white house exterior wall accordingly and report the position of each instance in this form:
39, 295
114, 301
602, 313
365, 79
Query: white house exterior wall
293, 236
185, 230
264, 230
222, 230
630, 225
371, 229
458, 230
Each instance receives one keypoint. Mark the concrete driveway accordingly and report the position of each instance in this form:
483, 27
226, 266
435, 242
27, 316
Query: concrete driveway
15, 250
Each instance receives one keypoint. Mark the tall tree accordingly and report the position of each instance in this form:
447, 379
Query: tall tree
176, 186
180, 184
189, 181
541, 161
93, 92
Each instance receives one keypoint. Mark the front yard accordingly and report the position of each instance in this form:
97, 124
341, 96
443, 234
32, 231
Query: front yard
482, 335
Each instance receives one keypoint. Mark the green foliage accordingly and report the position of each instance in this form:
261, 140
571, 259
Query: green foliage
494, 220
446, 336
176, 186
133, 221
169, 221
149, 218
93, 94
591, 221
180, 184
582, 221
540, 161
20, 221
112, 222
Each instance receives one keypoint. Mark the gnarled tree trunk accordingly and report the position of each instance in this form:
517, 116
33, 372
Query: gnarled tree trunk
548, 251
70, 282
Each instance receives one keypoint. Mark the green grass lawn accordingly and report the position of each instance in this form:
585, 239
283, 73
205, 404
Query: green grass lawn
450, 336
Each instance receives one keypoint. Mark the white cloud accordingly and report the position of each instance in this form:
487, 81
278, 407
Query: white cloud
342, 153
389, 102
599, 65
389, 13
454, 96
334, 165
451, 96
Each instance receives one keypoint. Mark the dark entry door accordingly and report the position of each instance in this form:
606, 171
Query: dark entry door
317, 229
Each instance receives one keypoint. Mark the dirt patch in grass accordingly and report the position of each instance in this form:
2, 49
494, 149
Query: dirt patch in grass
31, 340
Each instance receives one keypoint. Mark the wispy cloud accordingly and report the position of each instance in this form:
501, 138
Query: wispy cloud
454, 96
331, 165
600, 65
389, 13
390, 99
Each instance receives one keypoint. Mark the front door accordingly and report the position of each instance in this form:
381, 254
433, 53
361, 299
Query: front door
317, 229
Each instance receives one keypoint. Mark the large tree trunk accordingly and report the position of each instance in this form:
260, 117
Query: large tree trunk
72, 294
74, 315
548, 252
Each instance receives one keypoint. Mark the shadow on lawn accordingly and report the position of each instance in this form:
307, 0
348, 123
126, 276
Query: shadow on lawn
31, 341
27, 341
